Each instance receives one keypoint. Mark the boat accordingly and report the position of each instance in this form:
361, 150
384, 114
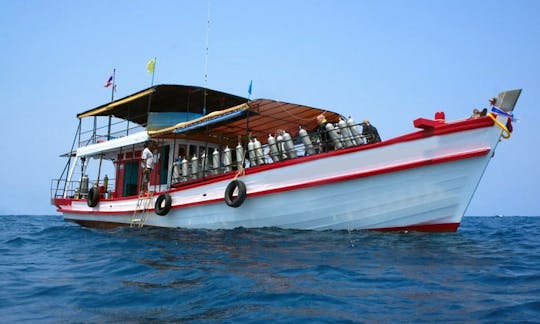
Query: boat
222, 161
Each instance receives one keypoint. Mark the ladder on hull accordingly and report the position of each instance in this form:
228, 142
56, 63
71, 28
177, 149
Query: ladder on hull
141, 213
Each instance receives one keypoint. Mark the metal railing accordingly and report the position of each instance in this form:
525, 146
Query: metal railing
187, 169
106, 130
60, 188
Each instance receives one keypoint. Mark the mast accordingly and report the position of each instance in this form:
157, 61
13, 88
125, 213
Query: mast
112, 99
206, 155
206, 60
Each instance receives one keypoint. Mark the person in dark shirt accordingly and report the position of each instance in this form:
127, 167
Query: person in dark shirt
370, 133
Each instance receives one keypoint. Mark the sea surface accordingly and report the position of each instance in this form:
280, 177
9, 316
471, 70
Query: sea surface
53, 271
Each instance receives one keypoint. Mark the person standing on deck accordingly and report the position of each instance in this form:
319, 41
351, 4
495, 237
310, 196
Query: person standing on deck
370, 133
323, 135
147, 160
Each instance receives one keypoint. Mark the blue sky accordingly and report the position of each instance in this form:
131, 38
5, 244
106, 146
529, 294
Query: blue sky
388, 61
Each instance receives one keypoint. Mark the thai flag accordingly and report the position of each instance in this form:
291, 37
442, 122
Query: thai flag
109, 82
499, 111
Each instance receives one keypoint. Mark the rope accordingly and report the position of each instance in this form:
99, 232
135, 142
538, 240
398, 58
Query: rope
505, 132
241, 171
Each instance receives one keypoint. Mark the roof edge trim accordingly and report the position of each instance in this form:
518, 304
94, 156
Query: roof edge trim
202, 119
113, 104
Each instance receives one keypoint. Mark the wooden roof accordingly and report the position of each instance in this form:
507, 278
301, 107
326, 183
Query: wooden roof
165, 98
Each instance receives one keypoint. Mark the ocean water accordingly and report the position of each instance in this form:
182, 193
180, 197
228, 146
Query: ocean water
53, 271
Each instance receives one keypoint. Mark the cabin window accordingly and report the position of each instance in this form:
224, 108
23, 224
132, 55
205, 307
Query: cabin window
209, 151
182, 150
192, 151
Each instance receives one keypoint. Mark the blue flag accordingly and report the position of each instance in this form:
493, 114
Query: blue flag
501, 112
250, 88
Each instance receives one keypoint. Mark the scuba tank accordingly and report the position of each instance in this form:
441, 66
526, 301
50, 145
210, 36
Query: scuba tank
333, 136
227, 159
346, 137
251, 153
204, 164
176, 171
354, 131
239, 156
215, 161
194, 167
308, 146
258, 151
184, 169
281, 145
289, 145
274, 152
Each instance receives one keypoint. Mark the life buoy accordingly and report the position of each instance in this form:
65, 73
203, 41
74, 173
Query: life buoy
160, 208
232, 201
93, 197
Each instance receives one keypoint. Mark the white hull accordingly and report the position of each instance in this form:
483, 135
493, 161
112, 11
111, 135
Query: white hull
423, 184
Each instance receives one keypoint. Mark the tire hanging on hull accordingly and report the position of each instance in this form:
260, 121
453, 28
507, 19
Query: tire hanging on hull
160, 208
237, 201
93, 197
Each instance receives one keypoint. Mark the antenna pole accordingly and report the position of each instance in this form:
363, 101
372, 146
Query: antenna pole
154, 70
113, 84
206, 59
112, 99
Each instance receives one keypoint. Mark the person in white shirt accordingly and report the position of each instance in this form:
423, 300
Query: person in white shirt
147, 160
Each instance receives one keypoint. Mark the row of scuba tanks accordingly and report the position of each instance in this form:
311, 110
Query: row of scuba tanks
281, 147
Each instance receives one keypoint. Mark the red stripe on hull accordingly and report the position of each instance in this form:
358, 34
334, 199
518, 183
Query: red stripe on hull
96, 224
384, 170
352, 176
58, 202
448, 227
433, 228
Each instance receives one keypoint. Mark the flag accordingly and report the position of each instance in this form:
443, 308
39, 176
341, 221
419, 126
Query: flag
109, 82
151, 66
250, 88
501, 112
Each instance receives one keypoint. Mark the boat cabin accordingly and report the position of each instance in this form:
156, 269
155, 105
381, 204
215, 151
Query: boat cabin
198, 134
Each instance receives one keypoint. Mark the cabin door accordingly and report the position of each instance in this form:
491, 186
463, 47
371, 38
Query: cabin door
131, 177
164, 165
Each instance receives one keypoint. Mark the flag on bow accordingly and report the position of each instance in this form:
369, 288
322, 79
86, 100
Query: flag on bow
499, 111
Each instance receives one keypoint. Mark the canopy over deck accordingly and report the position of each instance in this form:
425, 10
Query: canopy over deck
257, 118
165, 98
227, 117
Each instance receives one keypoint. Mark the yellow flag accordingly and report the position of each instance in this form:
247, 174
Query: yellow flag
151, 66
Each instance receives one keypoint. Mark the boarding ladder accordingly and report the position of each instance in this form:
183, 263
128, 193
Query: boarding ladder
141, 213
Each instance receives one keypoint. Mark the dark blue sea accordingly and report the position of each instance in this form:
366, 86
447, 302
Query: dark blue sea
53, 271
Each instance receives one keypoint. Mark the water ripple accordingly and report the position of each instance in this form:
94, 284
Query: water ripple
53, 271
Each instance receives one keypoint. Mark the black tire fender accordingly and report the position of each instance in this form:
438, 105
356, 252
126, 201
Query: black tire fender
93, 197
160, 208
237, 201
